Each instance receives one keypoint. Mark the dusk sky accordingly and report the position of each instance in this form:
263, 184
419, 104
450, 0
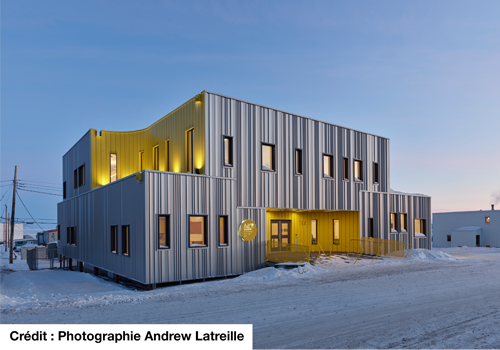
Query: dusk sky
425, 74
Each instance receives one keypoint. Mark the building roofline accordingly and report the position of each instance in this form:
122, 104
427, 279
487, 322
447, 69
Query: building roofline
470, 211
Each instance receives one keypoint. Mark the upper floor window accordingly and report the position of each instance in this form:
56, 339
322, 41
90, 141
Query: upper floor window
346, 169
223, 231
328, 166
404, 223
68, 235
167, 155
75, 178
163, 231
189, 151
141, 161
268, 161
112, 167
358, 170
371, 232
156, 158
298, 161
73, 236
375, 173
486, 219
394, 223
64, 189
81, 175
198, 231
228, 151
420, 228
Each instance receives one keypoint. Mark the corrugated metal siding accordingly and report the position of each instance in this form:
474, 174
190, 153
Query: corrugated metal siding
77, 156
444, 223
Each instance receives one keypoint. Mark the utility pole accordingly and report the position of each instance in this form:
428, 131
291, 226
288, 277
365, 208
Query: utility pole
6, 232
11, 253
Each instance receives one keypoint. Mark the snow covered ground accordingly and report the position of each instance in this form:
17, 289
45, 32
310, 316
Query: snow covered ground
444, 298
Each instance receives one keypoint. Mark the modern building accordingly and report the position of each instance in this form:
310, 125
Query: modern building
183, 198
45, 237
479, 228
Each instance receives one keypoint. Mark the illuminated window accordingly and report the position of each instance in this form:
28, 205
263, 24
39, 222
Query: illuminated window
298, 161
163, 231
167, 155
314, 232
486, 219
189, 151
420, 228
358, 170
328, 166
81, 175
448, 238
125, 240
371, 233
268, 161
73, 236
228, 151
223, 234
156, 158
394, 223
346, 169
114, 240
197, 231
112, 167
404, 223
375, 173
336, 232
141, 161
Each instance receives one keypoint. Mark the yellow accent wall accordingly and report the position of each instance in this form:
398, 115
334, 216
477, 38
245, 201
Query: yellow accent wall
127, 145
301, 227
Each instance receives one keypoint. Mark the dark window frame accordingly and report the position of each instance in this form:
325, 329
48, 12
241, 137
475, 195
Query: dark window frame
113, 239
405, 226
423, 225
226, 230
298, 151
190, 151
371, 228
273, 154
167, 155
396, 222
332, 167
361, 169
156, 158
345, 171
81, 175
58, 233
376, 174
75, 178
73, 236
141, 161
68, 235
448, 238
335, 241
487, 219
314, 241
231, 159
205, 231
64, 190
126, 239
168, 244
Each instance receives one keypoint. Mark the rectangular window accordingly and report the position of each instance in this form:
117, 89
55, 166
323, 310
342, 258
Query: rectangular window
156, 158
125, 240
336, 232
167, 155
223, 232
141, 161
404, 223
346, 169
358, 170
189, 151
73, 236
58, 232
371, 233
375, 173
163, 231
75, 178
114, 239
328, 166
448, 238
81, 175
197, 231
314, 232
394, 223
113, 167
420, 228
228, 151
268, 161
298, 161
486, 219
68, 236
64, 190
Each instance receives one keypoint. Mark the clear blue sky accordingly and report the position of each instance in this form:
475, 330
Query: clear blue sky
425, 74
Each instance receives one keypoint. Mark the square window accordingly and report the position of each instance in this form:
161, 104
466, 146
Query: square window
125, 240
375, 173
197, 231
268, 161
163, 231
114, 239
448, 238
486, 219
328, 166
314, 233
346, 169
223, 231
298, 161
112, 167
358, 170
420, 228
404, 223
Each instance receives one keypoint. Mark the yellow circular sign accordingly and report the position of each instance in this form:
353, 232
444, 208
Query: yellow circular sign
247, 230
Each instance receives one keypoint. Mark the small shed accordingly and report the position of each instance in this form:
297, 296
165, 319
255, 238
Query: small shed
469, 236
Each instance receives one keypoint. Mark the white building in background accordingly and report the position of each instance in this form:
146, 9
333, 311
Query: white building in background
466, 228
18, 231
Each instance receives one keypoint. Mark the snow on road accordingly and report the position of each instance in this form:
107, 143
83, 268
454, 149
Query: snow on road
444, 298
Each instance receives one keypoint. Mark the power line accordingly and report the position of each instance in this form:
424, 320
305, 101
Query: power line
53, 194
5, 193
39, 182
28, 210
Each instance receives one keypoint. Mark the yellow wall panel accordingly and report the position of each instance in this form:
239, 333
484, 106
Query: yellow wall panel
127, 145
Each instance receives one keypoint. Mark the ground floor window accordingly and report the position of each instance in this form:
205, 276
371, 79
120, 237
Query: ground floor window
420, 228
448, 238
197, 231
314, 233
371, 234
336, 232
223, 234
164, 231
114, 240
125, 240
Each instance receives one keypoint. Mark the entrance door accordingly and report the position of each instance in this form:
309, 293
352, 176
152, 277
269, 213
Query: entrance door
280, 232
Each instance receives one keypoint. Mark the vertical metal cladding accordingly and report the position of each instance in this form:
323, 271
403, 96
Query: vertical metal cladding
77, 156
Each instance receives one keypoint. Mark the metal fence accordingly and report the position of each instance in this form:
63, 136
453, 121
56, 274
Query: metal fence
378, 246
42, 257
278, 252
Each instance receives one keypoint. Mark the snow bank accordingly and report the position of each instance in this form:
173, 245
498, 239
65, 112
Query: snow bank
270, 274
430, 255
